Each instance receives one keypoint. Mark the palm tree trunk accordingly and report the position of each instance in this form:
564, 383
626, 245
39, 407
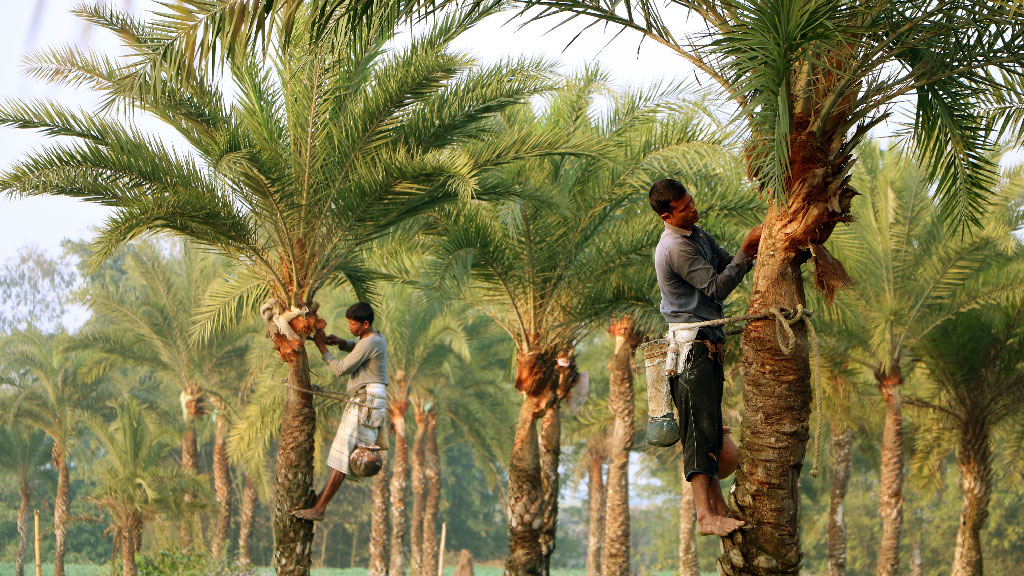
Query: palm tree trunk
128, 547
294, 475
418, 482
615, 551
190, 465
777, 402
60, 508
835, 561
975, 464
524, 496
891, 481
687, 527
550, 454
245, 522
25, 491
379, 521
222, 487
399, 484
595, 506
432, 471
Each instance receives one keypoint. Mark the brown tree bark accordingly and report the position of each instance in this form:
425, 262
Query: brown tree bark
432, 472
835, 559
615, 552
128, 548
25, 491
535, 377
379, 520
245, 521
418, 483
687, 527
777, 401
550, 454
399, 485
465, 565
294, 474
190, 465
975, 463
891, 480
595, 505
222, 487
60, 507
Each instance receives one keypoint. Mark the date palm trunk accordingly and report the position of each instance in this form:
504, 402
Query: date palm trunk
595, 505
535, 377
975, 463
190, 465
379, 520
245, 522
687, 527
25, 491
432, 487
418, 483
835, 560
293, 538
615, 551
891, 477
777, 402
129, 545
550, 454
60, 507
222, 487
398, 489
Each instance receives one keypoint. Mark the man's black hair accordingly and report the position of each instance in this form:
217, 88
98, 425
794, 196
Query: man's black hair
663, 193
360, 312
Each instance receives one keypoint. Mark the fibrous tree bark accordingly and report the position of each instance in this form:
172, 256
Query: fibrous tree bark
293, 488
687, 527
595, 504
550, 454
432, 487
379, 521
222, 487
835, 560
60, 506
247, 515
974, 459
398, 488
418, 483
891, 476
191, 398
615, 551
25, 492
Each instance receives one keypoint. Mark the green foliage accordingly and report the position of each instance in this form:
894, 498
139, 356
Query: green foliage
166, 562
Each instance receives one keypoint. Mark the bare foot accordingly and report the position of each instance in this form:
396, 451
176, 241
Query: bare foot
310, 514
718, 525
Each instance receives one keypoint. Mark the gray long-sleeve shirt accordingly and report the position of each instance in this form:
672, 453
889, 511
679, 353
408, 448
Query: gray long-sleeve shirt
367, 363
695, 275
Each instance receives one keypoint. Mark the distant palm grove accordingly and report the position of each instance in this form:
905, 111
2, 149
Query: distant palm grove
312, 154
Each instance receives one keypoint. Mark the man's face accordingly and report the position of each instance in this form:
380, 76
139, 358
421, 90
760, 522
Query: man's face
683, 213
358, 328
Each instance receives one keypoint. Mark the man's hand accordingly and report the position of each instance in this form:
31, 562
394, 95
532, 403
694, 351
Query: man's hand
320, 339
332, 340
751, 242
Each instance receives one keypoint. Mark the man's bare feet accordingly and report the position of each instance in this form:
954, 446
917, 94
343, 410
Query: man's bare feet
718, 525
311, 514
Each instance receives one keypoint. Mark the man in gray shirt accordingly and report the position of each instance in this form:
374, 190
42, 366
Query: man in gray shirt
695, 274
367, 367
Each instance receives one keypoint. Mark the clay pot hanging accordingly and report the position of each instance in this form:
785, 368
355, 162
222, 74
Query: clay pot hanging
365, 461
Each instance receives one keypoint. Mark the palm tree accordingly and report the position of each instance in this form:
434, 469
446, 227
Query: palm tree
910, 277
134, 480
23, 453
324, 148
535, 264
53, 392
137, 318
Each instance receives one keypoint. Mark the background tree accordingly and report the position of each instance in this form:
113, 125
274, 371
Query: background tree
23, 453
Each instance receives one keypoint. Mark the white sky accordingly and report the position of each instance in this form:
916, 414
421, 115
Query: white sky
46, 221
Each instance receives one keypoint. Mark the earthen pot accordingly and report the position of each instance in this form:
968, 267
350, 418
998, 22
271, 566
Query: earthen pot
365, 461
730, 456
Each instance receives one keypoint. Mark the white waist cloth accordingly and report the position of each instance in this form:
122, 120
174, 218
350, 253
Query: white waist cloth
360, 422
680, 338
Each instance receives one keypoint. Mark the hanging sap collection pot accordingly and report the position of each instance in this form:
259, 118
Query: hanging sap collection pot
365, 461
662, 429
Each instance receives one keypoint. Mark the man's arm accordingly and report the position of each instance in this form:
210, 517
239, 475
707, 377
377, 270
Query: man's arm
357, 357
688, 264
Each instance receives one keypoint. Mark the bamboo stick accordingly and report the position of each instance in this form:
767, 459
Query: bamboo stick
39, 562
440, 555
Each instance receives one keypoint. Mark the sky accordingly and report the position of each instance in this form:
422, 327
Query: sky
45, 222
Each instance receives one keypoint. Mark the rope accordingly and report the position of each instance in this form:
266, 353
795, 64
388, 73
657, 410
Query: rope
315, 390
786, 339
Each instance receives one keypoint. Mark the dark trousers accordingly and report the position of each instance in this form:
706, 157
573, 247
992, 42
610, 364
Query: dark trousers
697, 392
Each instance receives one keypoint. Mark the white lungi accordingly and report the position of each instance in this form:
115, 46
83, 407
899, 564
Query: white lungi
362, 418
681, 334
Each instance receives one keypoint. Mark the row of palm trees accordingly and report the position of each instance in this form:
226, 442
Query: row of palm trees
330, 143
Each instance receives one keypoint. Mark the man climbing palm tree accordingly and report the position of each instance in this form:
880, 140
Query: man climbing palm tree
367, 367
695, 274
